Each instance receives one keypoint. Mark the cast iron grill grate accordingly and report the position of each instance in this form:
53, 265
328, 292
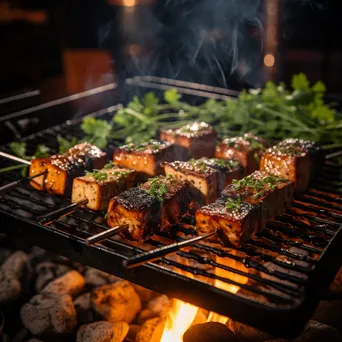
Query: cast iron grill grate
279, 275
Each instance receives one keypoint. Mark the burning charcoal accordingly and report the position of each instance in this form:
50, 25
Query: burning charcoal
10, 287
83, 308
94, 278
48, 271
70, 283
21, 335
159, 304
246, 333
208, 332
102, 332
49, 314
329, 312
116, 302
144, 293
132, 332
151, 330
16, 263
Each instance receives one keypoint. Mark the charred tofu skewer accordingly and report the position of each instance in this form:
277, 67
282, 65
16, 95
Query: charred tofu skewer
100, 186
247, 150
207, 176
194, 140
62, 169
245, 207
145, 158
151, 208
95, 190
297, 160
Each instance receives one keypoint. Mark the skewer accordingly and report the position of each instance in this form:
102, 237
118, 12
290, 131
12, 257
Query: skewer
14, 184
53, 216
15, 158
158, 253
105, 234
333, 155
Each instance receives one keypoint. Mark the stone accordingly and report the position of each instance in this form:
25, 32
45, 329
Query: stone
49, 314
144, 293
70, 283
329, 312
94, 278
208, 332
116, 302
318, 332
102, 332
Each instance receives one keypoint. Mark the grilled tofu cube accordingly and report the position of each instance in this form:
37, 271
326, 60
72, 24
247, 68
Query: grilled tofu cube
62, 169
234, 220
174, 196
247, 150
195, 140
293, 159
202, 178
228, 170
137, 209
100, 186
273, 195
145, 158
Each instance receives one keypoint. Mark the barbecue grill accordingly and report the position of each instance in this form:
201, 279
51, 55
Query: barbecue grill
284, 270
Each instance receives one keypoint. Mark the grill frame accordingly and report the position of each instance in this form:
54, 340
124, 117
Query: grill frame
280, 321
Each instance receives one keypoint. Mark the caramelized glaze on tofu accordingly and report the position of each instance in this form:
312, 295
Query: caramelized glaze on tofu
271, 194
203, 179
174, 199
100, 186
145, 158
247, 150
234, 220
194, 140
294, 159
137, 209
62, 169
228, 170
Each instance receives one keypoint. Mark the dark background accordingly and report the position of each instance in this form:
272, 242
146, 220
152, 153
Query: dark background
64, 47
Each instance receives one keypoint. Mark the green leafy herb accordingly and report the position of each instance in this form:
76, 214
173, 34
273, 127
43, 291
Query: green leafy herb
109, 165
157, 189
97, 131
98, 175
19, 148
65, 144
233, 203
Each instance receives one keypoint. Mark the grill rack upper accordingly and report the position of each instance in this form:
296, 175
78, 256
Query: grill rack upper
281, 273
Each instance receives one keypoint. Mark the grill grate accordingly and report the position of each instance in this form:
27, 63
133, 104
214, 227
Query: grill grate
280, 274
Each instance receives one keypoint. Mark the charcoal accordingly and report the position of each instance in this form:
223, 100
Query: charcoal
329, 312
4, 254
21, 336
94, 278
144, 293
116, 302
10, 287
208, 332
83, 308
246, 333
102, 332
156, 307
151, 330
48, 271
335, 288
49, 314
70, 283
132, 332
16, 263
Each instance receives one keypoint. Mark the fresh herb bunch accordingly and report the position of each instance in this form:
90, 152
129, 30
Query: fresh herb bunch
233, 203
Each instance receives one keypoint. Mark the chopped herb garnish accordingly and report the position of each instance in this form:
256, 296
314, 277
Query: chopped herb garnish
98, 175
157, 188
233, 203
109, 165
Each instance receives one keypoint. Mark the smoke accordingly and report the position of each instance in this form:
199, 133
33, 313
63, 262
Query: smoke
216, 42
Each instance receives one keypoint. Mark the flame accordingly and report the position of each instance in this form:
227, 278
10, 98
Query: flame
178, 321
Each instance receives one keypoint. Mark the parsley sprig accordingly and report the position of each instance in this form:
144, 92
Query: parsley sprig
233, 203
157, 189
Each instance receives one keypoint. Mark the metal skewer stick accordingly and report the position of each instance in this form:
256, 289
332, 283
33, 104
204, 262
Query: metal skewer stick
59, 213
18, 159
14, 184
158, 253
105, 234
334, 155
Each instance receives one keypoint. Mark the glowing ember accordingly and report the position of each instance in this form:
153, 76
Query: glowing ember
178, 321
